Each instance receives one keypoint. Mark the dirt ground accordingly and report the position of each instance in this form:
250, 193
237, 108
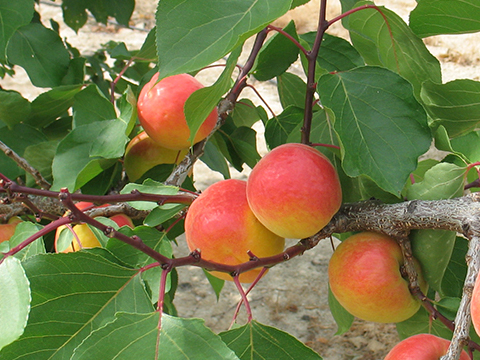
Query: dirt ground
293, 296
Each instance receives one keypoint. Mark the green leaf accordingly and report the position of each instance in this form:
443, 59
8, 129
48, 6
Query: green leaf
422, 323
50, 105
18, 139
258, 341
14, 14
276, 56
381, 126
111, 140
23, 231
91, 106
216, 283
14, 300
148, 187
291, 90
342, 317
336, 54
245, 113
191, 36
455, 105
14, 108
390, 43
73, 165
244, 141
453, 280
40, 51
279, 128
134, 336
213, 158
73, 294
127, 105
467, 145
162, 213
40, 156
148, 51
201, 103
435, 17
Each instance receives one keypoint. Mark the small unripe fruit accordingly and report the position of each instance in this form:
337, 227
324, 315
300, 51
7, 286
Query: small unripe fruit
221, 225
7, 230
160, 109
294, 191
366, 277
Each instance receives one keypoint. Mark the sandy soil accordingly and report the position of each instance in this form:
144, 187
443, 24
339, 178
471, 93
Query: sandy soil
293, 297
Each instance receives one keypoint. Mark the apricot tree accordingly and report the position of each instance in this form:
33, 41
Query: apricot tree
373, 105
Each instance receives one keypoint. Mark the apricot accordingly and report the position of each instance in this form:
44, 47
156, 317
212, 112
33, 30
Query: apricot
143, 153
475, 305
160, 110
294, 191
83, 236
220, 224
7, 230
366, 277
422, 347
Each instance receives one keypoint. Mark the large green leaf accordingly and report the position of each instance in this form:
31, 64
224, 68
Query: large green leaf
14, 300
382, 128
390, 43
13, 14
72, 295
41, 52
135, 336
455, 105
435, 17
90, 106
190, 35
258, 341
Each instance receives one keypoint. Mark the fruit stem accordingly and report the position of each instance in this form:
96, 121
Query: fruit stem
244, 297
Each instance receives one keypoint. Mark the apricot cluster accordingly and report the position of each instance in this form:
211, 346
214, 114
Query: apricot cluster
292, 192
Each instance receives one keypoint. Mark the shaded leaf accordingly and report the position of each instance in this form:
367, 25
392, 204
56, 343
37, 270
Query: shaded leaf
213, 158
279, 128
14, 14
14, 108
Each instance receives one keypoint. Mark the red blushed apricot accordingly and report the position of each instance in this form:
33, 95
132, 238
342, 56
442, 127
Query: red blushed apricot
221, 225
422, 347
294, 191
365, 277
160, 109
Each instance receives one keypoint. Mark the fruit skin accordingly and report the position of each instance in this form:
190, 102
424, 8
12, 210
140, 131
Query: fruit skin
475, 305
422, 347
143, 153
294, 191
7, 230
221, 225
365, 277
85, 235
160, 110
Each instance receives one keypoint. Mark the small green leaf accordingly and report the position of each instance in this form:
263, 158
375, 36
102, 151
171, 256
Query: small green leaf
454, 277
24, 230
148, 51
291, 90
148, 187
258, 341
213, 158
14, 108
245, 113
455, 105
279, 128
162, 213
40, 156
14, 300
436, 17
381, 126
276, 56
40, 51
342, 317
216, 283
191, 36
420, 323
